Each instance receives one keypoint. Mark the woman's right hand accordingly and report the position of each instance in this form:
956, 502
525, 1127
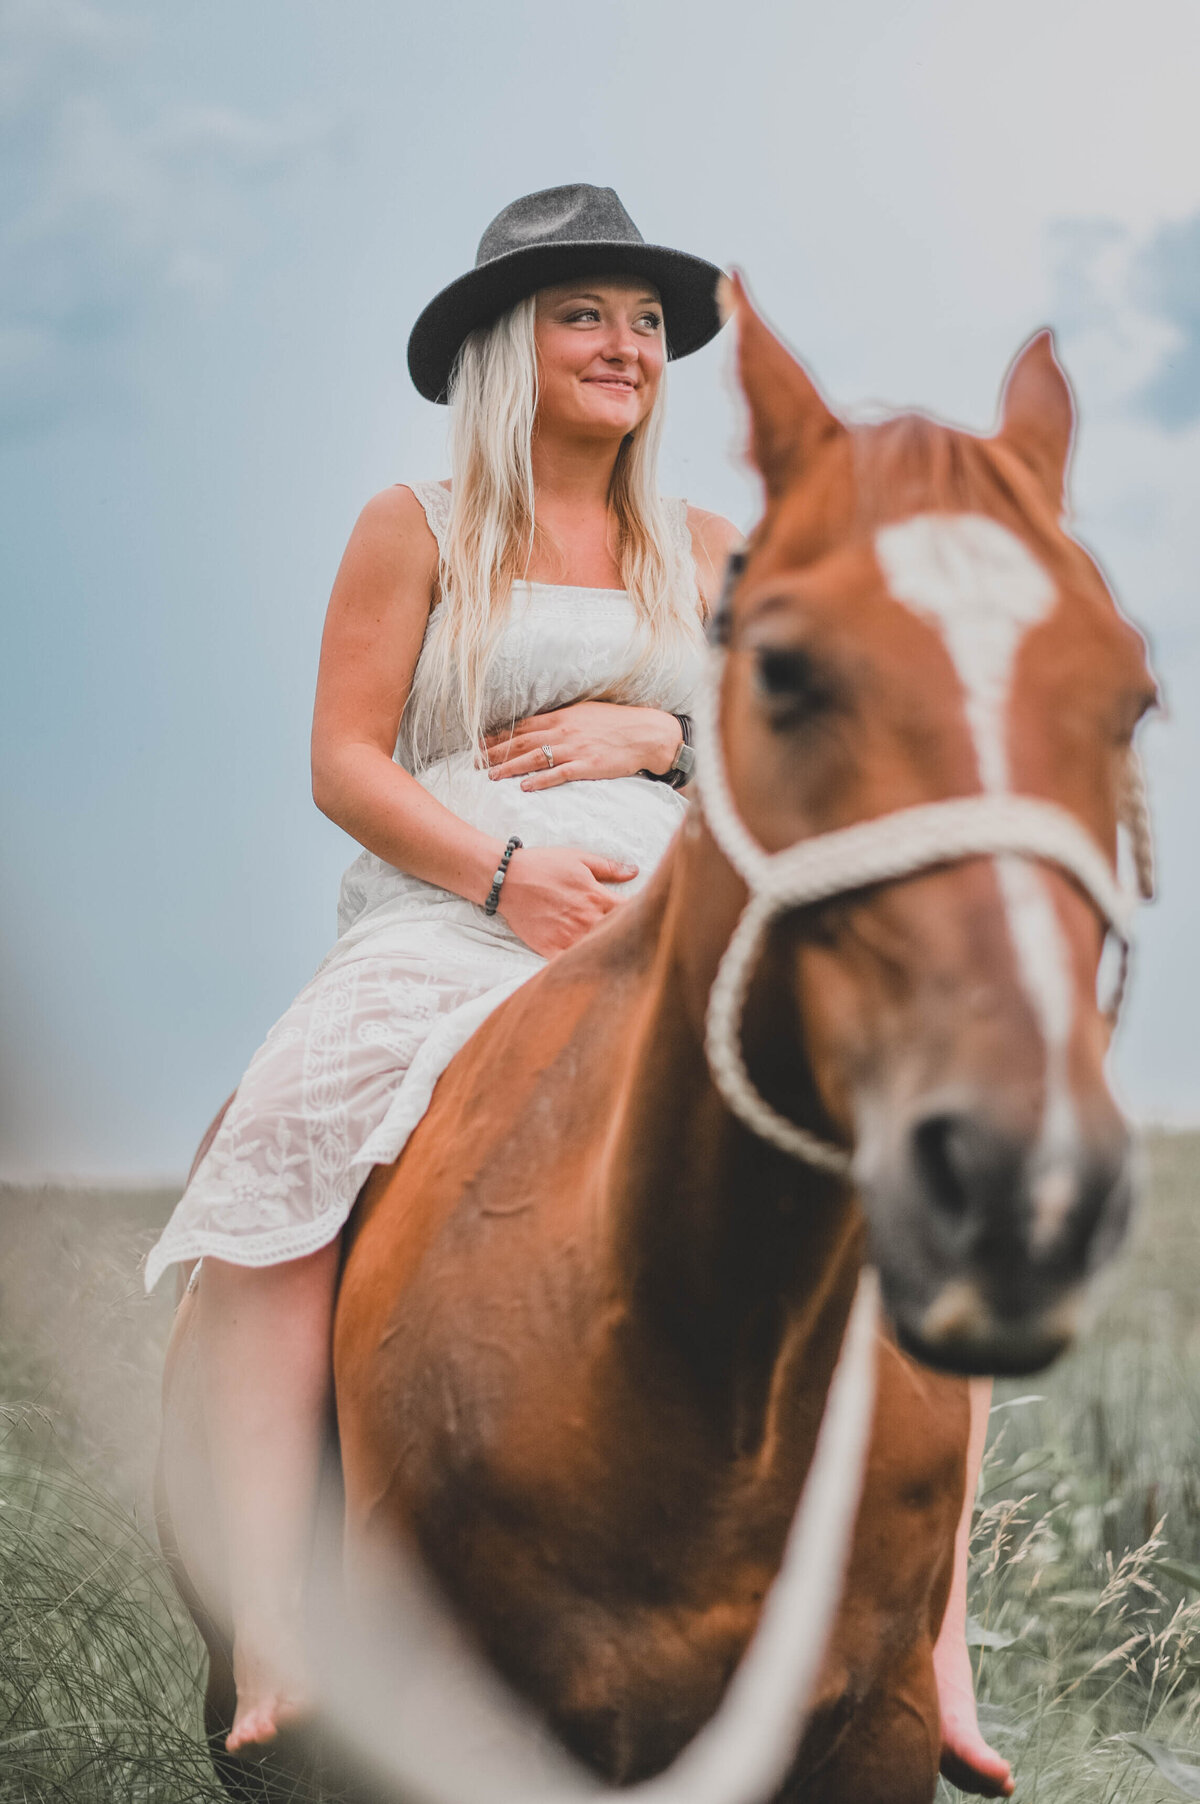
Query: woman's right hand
553, 894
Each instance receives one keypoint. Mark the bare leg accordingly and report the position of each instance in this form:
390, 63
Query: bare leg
967, 1760
265, 1352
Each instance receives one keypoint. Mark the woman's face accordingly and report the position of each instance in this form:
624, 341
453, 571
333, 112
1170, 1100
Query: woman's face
600, 353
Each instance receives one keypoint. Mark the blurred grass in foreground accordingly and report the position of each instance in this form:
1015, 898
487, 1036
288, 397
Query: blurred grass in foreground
100, 1677
100, 1669
1086, 1593
1086, 1550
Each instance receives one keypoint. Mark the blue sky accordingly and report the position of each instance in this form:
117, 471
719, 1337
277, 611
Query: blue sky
216, 226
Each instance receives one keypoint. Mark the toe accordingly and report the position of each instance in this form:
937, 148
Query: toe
253, 1728
978, 1769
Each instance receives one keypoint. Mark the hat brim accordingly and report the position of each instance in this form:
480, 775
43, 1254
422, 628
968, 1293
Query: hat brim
687, 286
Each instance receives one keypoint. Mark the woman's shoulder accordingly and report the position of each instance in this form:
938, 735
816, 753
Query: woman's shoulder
392, 552
713, 539
713, 533
405, 519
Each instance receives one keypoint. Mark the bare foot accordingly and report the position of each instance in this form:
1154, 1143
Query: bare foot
967, 1760
270, 1693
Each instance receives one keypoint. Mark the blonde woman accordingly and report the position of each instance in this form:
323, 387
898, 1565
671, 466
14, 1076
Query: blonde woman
500, 721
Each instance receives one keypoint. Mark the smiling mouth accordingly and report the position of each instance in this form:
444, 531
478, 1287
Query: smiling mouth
621, 382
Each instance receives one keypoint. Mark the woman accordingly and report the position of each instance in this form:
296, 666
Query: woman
501, 709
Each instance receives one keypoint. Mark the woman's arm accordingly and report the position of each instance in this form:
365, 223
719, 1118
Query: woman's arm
373, 632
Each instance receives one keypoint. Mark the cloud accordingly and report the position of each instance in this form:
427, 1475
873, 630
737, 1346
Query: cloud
1166, 279
47, 41
107, 215
1132, 306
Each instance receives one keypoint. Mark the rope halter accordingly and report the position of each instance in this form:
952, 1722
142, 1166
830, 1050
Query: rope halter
879, 851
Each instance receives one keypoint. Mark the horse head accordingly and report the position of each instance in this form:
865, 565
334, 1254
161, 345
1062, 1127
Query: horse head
913, 624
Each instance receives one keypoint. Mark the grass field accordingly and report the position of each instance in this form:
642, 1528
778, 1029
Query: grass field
1086, 1600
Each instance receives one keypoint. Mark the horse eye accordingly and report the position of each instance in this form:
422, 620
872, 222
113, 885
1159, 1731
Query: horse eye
789, 682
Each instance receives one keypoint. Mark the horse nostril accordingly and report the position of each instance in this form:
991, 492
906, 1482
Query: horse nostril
941, 1164
970, 1170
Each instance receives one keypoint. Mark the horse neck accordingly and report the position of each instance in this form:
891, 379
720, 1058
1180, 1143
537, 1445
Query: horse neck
727, 1253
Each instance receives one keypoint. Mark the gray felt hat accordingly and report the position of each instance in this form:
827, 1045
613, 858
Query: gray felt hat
550, 237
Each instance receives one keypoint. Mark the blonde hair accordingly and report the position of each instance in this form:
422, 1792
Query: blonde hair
490, 536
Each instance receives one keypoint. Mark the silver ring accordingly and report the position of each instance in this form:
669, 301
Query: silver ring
548, 755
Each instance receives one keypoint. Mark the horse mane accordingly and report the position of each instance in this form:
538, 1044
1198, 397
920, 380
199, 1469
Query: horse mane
915, 464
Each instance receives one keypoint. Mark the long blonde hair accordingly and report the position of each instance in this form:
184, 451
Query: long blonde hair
487, 544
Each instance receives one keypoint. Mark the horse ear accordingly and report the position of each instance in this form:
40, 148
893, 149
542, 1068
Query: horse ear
788, 418
1037, 414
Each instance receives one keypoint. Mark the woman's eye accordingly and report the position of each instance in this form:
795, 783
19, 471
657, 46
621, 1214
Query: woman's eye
790, 683
653, 320
583, 313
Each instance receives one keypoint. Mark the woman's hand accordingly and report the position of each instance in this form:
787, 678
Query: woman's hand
553, 894
588, 739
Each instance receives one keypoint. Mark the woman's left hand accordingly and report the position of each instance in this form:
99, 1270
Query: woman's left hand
587, 739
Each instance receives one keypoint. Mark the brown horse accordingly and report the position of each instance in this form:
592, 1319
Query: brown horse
587, 1323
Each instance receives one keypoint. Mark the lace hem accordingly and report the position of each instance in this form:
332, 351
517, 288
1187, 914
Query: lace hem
273, 1248
336, 1088
383, 1146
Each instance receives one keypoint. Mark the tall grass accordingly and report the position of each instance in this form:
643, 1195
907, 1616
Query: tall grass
100, 1670
100, 1675
1085, 1590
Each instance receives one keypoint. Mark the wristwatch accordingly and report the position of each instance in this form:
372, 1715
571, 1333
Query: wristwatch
684, 761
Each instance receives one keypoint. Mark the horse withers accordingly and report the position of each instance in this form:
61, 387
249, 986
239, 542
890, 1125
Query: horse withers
587, 1322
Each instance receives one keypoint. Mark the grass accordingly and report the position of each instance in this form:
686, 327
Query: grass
1086, 1546
99, 1675
1086, 1552
100, 1669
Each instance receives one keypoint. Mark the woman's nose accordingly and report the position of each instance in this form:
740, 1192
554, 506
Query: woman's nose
622, 346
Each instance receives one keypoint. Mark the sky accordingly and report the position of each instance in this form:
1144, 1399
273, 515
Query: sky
217, 225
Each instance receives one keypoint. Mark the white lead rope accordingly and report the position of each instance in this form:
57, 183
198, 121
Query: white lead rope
870, 852
743, 1755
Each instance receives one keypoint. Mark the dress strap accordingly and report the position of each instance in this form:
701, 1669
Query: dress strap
677, 514
678, 508
435, 500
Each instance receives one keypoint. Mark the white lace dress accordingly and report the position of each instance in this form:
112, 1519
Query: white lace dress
344, 1076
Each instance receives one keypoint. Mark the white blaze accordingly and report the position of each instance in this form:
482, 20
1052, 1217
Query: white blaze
982, 588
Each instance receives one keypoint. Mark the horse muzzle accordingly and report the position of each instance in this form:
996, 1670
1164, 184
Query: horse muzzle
987, 1240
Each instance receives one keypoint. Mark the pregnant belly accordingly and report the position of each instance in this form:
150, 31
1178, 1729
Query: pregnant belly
616, 816
628, 818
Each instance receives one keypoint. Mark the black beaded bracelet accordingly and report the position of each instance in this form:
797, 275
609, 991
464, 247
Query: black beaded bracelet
493, 901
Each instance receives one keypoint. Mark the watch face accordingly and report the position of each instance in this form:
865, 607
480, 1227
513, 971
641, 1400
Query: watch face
685, 760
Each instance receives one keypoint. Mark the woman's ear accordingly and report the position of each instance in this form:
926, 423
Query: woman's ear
788, 418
